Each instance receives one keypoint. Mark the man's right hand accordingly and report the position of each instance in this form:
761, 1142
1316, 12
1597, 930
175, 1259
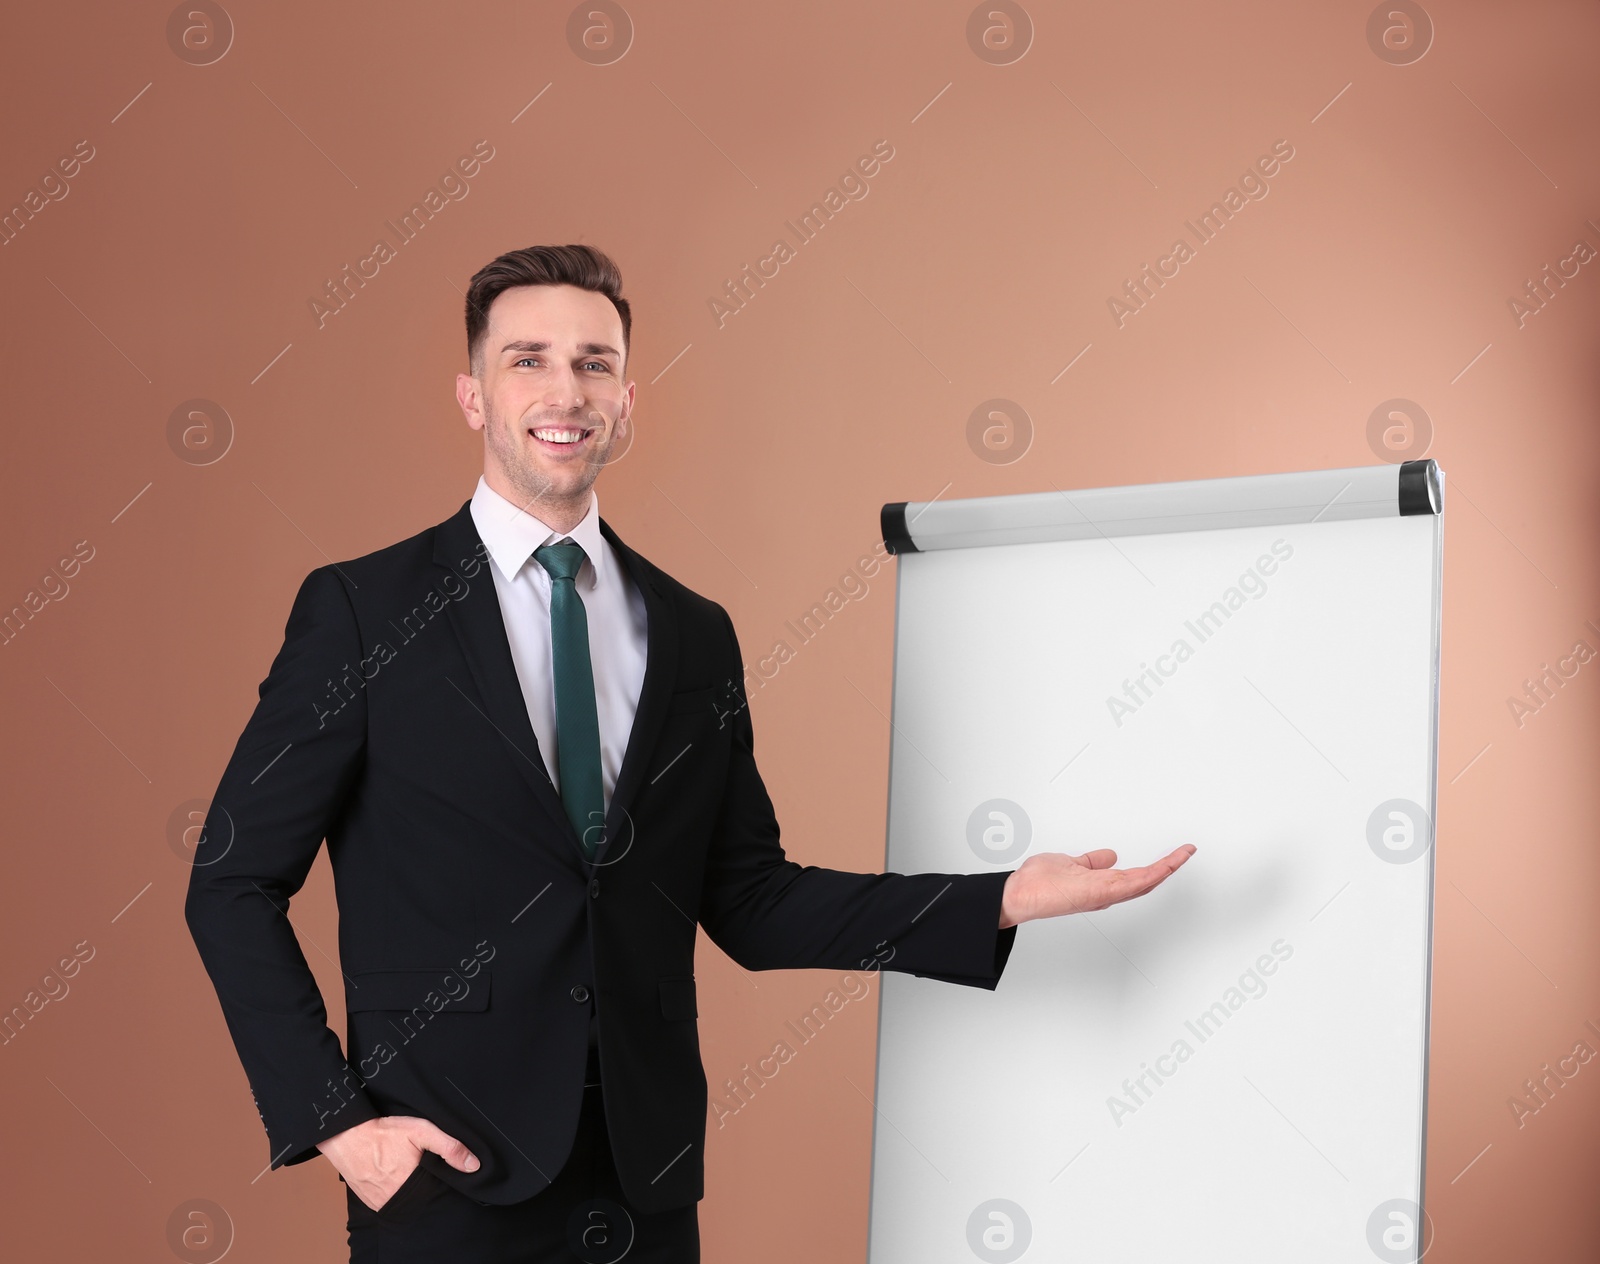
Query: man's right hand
377, 1156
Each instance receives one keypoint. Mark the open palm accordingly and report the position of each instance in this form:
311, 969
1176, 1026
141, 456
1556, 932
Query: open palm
1053, 884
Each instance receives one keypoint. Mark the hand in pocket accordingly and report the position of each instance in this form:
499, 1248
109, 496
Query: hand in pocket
379, 1156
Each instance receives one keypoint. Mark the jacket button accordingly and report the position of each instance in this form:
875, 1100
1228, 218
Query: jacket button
594, 888
580, 994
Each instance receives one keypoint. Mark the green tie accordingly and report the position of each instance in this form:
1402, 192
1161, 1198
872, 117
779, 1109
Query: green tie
577, 724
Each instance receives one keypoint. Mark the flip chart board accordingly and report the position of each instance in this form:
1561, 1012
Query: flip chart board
1233, 1067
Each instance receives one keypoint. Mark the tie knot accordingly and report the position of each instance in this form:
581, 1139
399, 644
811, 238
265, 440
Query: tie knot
562, 560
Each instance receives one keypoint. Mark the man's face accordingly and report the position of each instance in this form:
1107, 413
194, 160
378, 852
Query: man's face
550, 397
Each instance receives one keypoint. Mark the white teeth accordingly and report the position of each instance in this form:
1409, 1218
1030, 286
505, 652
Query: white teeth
559, 436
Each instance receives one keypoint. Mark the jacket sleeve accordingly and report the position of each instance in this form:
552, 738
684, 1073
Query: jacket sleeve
282, 791
768, 912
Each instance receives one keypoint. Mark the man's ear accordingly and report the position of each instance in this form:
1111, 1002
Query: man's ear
469, 395
625, 422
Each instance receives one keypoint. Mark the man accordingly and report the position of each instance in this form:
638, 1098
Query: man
530, 754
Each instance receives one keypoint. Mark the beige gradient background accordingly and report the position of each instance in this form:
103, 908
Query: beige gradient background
222, 197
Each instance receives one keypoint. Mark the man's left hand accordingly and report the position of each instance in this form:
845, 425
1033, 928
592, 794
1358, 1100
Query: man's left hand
1053, 884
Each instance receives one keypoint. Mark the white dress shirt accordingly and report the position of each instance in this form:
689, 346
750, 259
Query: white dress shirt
612, 604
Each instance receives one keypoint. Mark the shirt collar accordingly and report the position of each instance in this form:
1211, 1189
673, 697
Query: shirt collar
512, 534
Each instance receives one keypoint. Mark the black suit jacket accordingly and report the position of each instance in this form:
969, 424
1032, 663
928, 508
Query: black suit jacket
472, 930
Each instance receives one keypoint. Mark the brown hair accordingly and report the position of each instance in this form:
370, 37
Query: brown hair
582, 266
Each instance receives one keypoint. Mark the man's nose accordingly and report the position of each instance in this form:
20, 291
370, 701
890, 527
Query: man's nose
564, 391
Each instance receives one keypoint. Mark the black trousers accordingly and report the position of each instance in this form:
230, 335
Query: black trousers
582, 1216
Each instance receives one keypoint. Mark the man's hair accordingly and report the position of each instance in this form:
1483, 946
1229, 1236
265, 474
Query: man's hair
582, 266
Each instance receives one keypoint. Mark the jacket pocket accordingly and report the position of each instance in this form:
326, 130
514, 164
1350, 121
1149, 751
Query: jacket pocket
677, 998
444, 990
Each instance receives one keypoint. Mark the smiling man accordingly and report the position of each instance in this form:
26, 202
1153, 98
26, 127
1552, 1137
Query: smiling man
542, 787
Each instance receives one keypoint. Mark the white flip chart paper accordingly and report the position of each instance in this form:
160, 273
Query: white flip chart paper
1233, 1067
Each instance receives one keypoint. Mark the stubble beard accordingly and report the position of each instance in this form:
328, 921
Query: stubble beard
531, 484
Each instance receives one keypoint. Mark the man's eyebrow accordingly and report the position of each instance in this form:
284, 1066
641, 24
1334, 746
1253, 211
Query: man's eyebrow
588, 348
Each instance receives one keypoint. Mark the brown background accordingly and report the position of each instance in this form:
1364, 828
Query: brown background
181, 263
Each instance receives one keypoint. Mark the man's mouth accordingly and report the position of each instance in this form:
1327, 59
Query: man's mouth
559, 437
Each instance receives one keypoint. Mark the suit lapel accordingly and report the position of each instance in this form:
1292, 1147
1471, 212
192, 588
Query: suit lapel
494, 691
496, 694
660, 672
